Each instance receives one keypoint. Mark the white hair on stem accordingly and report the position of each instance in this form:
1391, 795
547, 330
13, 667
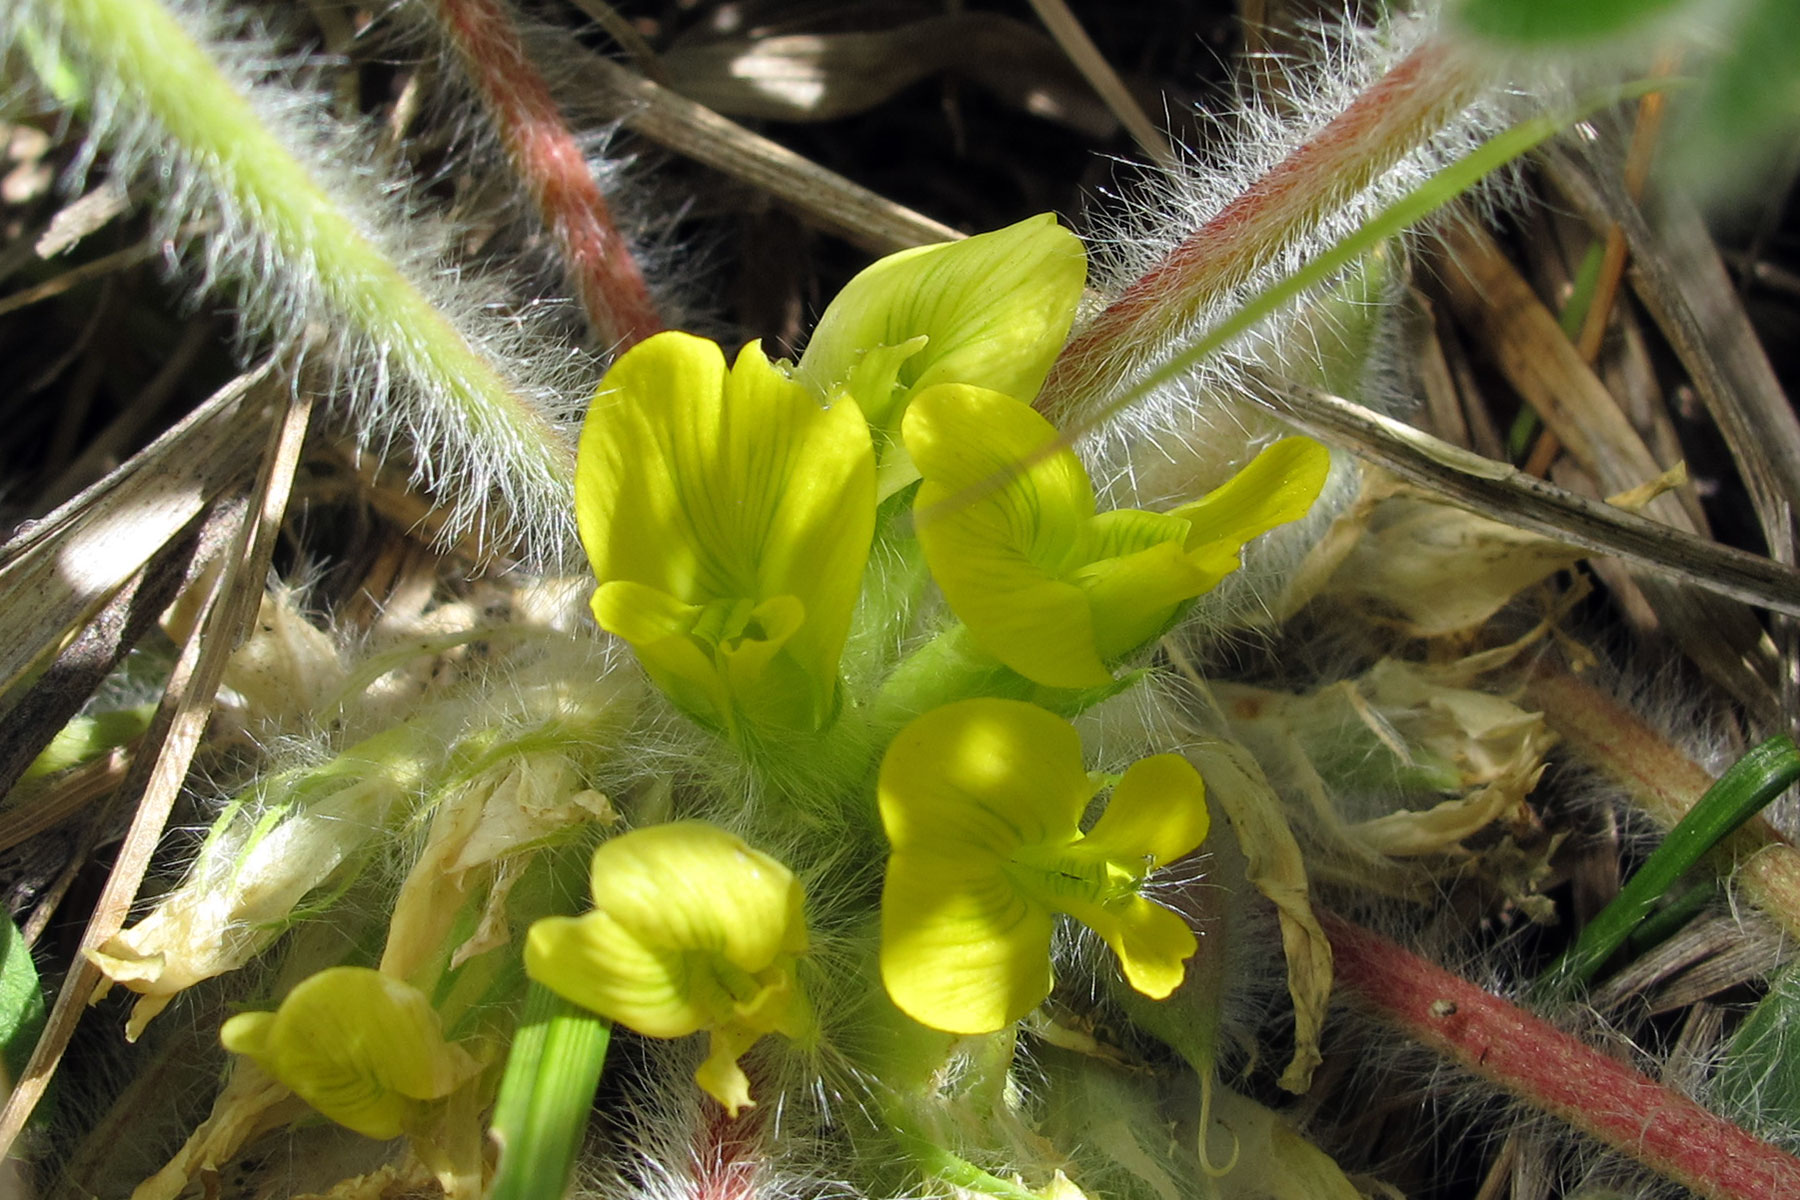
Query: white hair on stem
265, 196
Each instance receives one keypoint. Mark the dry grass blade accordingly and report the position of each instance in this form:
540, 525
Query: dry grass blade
60, 571
1497, 490
187, 703
1086, 56
1548, 371
101, 645
1677, 273
74, 277
824, 197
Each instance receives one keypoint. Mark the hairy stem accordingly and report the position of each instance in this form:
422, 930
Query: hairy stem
312, 240
544, 153
1554, 1072
1389, 120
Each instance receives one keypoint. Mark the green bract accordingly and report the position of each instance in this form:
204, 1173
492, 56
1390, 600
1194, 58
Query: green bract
728, 517
1046, 585
692, 929
361, 1047
992, 310
981, 800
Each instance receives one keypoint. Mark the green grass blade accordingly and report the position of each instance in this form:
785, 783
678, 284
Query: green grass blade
1742, 792
546, 1096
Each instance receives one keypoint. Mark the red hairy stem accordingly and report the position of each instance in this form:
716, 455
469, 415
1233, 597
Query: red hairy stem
729, 1155
1557, 1073
543, 151
1393, 117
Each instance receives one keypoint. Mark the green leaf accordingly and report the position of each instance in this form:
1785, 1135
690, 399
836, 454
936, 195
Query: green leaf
1546, 22
21, 1000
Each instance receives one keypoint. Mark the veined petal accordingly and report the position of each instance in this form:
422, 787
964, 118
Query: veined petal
643, 445
995, 310
660, 629
1278, 486
687, 920
692, 929
690, 885
712, 486
1153, 944
1132, 598
1156, 813
593, 961
360, 1047
1002, 514
975, 780
961, 949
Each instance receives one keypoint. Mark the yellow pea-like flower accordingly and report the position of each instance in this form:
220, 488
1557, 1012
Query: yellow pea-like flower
981, 801
363, 1048
992, 310
1045, 584
728, 516
692, 929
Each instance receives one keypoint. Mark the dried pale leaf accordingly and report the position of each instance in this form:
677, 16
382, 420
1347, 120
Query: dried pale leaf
1396, 731
288, 666
1273, 864
1273, 1162
1439, 829
250, 1104
504, 811
247, 885
1487, 737
1440, 570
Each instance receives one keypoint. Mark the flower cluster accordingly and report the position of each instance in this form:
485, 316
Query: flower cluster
770, 541
730, 516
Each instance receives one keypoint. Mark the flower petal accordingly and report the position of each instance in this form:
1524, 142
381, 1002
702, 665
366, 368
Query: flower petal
710, 486
975, 780
1157, 812
360, 1047
995, 308
1278, 486
1001, 516
591, 960
1153, 944
659, 628
686, 918
720, 1076
961, 949
1133, 598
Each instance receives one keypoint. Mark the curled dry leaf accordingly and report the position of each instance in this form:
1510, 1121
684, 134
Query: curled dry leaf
1273, 863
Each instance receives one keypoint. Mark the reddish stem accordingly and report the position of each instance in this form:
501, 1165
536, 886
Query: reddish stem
543, 151
728, 1155
1557, 1073
1393, 117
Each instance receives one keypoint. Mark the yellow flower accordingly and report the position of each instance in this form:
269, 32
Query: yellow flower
992, 310
1044, 584
728, 518
981, 800
692, 929
361, 1047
